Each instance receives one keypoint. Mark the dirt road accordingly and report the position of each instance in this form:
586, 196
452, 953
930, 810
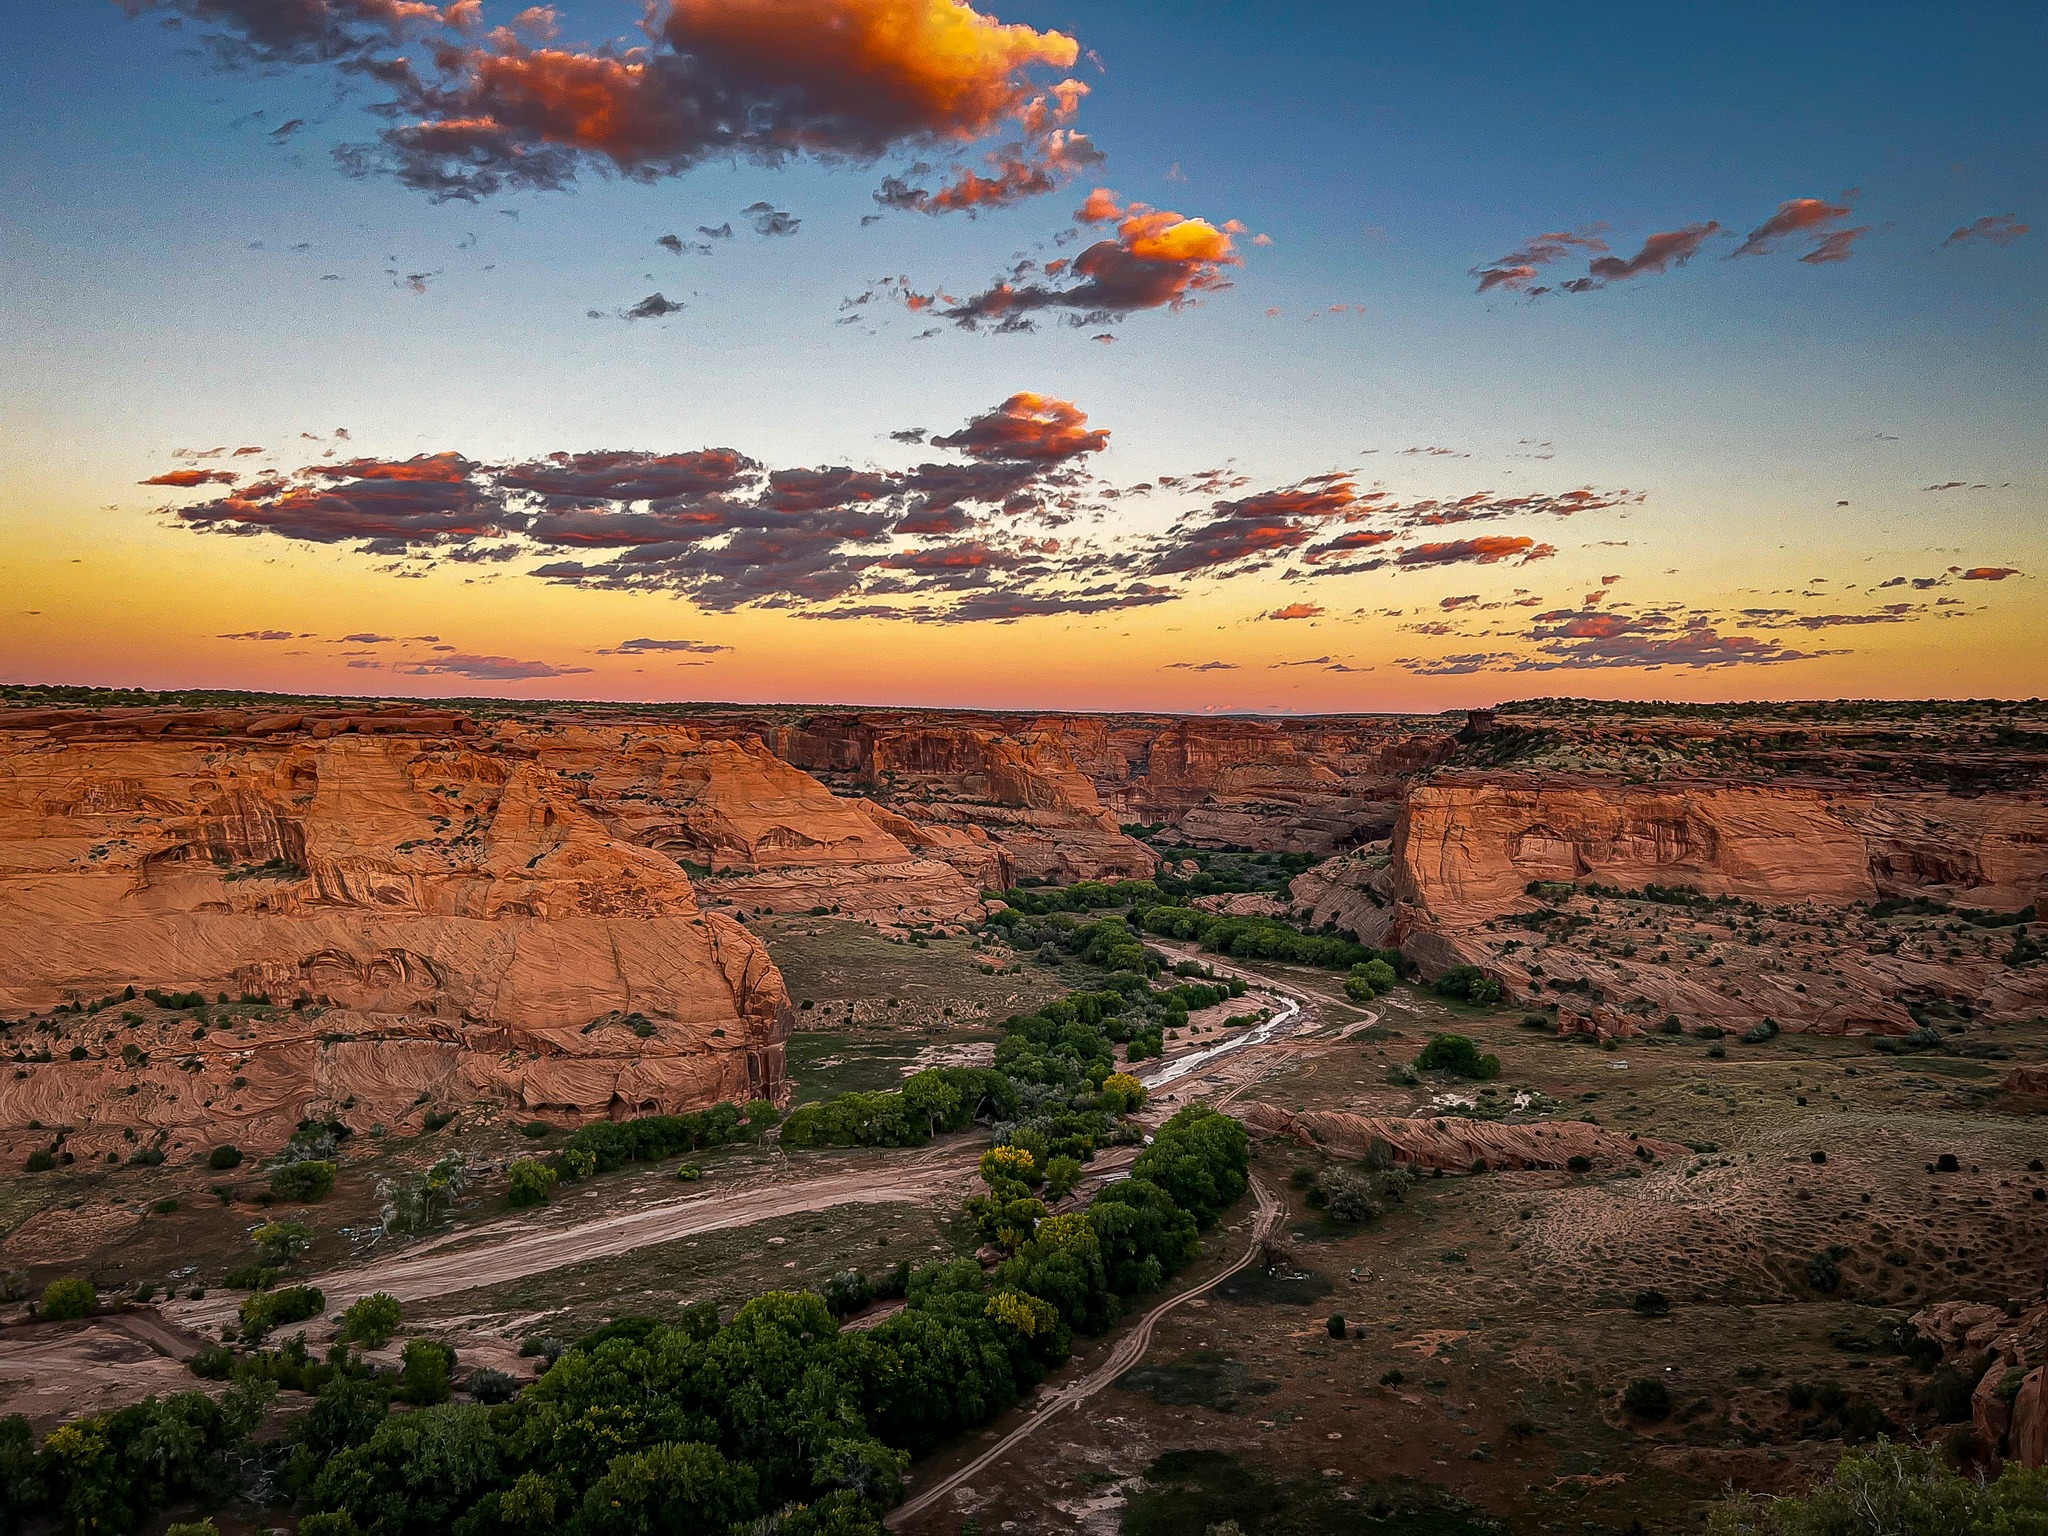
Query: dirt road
511, 1250
1129, 1350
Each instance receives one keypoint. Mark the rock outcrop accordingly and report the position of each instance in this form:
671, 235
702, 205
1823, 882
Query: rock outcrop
433, 910
1452, 1143
998, 799
1476, 858
1352, 892
2009, 1354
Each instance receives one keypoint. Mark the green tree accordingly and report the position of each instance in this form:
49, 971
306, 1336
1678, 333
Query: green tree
423, 1375
532, 1182
1369, 980
671, 1490
1895, 1490
312, 1179
68, 1298
1458, 1056
370, 1320
282, 1242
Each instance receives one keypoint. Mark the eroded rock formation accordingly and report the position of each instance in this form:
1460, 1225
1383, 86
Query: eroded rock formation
1476, 856
449, 912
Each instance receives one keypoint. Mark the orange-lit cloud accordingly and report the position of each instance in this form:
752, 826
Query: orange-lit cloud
477, 113
1028, 426
1297, 611
1155, 259
1661, 251
1796, 218
185, 479
1989, 573
1515, 271
1993, 229
1481, 551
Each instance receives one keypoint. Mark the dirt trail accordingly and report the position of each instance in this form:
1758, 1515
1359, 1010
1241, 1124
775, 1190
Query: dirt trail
441, 1268
1129, 1350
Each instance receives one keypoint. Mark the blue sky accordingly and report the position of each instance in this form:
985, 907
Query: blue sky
155, 301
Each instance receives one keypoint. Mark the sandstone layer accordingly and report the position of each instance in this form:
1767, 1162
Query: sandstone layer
450, 915
2009, 1353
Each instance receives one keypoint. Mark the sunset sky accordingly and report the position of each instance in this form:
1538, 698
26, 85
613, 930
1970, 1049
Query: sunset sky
1149, 356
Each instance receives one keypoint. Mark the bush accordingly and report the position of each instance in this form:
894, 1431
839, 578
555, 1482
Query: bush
489, 1386
1646, 1398
1578, 1162
1888, 1487
251, 1277
212, 1362
1336, 1325
1469, 984
532, 1182
370, 1320
310, 1180
222, 1158
1369, 981
1652, 1303
265, 1310
42, 1160
1458, 1056
689, 1173
423, 1377
282, 1242
68, 1298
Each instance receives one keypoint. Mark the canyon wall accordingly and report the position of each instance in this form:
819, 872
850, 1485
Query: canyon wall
445, 905
1469, 846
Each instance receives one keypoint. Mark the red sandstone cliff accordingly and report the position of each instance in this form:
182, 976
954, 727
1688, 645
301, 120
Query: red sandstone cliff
455, 914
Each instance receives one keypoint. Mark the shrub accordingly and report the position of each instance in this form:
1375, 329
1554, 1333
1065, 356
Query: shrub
1891, 1487
1469, 984
282, 1242
689, 1173
1391, 1378
489, 1386
222, 1158
423, 1377
1336, 1325
1458, 1056
1757, 1035
370, 1320
212, 1362
1369, 980
68, 1298
42, 1160
1646, 1398
250, 1277
192, 1528
534, 1130
265, 1310
310, 1180
1652, 1303
532, 1182
1578, 1162
1824, 1270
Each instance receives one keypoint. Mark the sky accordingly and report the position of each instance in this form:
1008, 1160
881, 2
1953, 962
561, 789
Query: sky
1124, 356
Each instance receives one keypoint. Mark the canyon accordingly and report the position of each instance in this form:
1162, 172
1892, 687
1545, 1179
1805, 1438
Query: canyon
411, 906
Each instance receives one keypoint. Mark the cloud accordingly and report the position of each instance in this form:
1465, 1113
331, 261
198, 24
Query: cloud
676, 245
1201, 666
185, 479
771, 220
473, 113
1796, 218
285, 130
1027, 426
1515, 271
1994, 228
1835, 246
1488, 550
655, 306
1154, 259
1989, 573
483, 668
260, 634
365, 639
1297, 611
651, 647
1661, 251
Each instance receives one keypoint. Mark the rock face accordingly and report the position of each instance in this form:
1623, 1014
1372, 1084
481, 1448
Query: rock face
2009, 1407
998, 799
448, 907
1353, 892
1469, 847
1302, 786
1451, 1143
